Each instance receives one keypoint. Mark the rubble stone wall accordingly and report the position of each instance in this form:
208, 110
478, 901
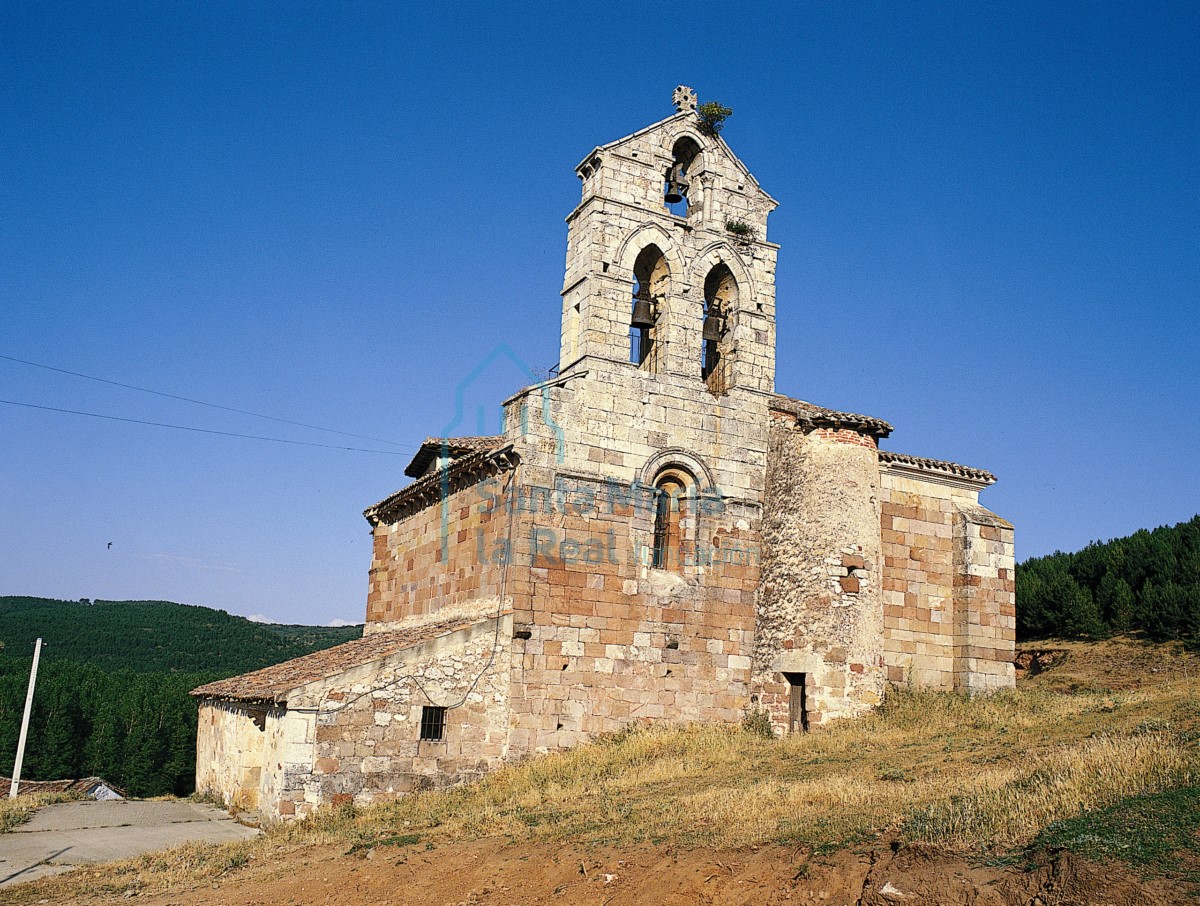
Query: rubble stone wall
818, 607
366, 722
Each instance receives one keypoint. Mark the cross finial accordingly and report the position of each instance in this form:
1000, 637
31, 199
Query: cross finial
684, 98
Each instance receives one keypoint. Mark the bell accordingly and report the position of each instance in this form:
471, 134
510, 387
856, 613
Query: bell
677, 184
643, 313
713, 328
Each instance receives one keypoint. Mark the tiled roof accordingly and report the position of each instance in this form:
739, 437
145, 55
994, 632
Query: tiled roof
820, 417
938, 466
85, 786
272, 684
433, 447
428, 490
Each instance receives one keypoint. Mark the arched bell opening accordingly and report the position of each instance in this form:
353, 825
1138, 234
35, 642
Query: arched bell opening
651, 280
720, 300
680, 176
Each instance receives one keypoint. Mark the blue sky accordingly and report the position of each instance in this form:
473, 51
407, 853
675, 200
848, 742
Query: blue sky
331, 213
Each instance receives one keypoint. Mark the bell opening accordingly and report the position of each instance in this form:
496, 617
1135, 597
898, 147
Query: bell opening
677, 180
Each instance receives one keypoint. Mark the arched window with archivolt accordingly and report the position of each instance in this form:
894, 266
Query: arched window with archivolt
674, 511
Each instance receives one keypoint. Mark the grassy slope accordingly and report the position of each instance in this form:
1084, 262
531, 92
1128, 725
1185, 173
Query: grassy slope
155, 636
1115, 724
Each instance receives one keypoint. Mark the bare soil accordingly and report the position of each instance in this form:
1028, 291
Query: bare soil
472, 851
493, 872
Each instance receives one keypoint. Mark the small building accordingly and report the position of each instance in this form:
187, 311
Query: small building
92, 787
657, 534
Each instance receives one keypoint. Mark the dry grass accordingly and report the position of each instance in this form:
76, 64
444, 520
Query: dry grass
1115, 720
1008, 807
15, 812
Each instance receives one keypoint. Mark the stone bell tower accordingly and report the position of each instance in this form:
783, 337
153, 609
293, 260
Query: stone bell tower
672, 219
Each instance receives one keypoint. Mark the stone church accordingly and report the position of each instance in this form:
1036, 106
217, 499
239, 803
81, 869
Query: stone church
657, 535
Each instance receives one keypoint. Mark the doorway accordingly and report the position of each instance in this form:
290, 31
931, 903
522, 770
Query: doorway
797, 702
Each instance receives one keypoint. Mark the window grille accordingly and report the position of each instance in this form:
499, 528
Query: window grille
433, 723
662, 529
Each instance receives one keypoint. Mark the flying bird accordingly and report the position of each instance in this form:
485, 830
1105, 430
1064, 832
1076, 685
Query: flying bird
110, 545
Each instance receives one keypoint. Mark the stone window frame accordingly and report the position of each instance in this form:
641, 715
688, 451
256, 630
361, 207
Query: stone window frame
693, 472
671, 518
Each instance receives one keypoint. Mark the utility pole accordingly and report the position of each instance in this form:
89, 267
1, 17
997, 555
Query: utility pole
16, 779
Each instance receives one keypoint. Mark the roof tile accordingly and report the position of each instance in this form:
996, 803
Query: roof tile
271, 684
820, 417
433, 447
938, 465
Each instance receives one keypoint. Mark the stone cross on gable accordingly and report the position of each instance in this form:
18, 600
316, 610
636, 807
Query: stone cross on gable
684, 98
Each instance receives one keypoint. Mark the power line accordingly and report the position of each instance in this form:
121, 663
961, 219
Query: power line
138, 421
187, 399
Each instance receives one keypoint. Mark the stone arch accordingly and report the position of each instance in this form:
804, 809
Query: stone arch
720, 300
642, 236
684, 193
672, 137
721, 252
688, 161
651, 288
676, 458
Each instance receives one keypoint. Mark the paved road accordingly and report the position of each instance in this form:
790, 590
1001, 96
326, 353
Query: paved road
62, 836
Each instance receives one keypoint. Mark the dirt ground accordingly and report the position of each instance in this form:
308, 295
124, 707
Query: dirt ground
496, 873
1117, 682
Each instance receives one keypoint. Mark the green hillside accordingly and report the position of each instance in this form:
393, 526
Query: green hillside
155, 636
1148, 582
112, 693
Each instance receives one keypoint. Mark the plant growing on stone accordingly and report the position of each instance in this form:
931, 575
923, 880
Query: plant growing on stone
739, 228
712, 116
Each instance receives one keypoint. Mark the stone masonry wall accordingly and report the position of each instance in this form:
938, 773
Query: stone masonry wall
256, 757
607, 639
931, 544
367, 720
439, 560
229, 754
917, 526
984, 600
818, 609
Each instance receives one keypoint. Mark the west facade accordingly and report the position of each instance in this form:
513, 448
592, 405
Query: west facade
656, 535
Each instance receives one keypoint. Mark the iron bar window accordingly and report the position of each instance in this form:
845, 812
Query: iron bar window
662, 528
433, 723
